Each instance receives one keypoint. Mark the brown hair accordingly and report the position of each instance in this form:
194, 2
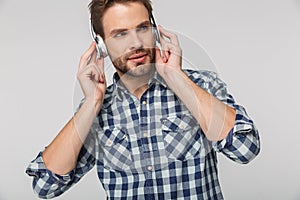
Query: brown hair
98, 7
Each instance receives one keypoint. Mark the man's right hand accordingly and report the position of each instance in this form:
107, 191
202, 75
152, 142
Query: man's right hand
91, 77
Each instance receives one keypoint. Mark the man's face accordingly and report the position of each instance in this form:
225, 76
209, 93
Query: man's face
129, 39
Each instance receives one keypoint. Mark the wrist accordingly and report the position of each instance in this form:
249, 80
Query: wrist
174, 77
91, 104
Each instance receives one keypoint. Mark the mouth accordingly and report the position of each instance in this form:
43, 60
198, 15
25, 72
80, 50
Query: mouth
137, 58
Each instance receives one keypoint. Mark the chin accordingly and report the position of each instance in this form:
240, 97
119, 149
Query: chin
141, 69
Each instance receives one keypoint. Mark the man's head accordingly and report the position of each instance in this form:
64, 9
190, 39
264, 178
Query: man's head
126, 27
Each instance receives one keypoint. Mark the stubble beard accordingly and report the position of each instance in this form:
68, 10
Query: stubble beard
124, 66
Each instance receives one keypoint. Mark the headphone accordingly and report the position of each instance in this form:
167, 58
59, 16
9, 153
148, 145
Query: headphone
100, 45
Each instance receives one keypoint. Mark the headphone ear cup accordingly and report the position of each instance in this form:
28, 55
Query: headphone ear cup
101, 48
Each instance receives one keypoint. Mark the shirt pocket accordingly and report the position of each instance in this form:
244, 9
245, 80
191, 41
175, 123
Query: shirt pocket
116, 148
182, 137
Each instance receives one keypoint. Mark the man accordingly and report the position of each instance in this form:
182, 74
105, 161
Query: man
153, 133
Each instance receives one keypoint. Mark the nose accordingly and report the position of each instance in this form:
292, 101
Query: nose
135, 41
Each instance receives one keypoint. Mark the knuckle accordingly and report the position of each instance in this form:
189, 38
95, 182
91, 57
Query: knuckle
174, 37
172, 34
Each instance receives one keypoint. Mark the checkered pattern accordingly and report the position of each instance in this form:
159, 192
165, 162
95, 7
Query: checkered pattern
153, 148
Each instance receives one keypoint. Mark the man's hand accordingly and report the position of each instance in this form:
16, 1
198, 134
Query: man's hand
91, 77
170, 59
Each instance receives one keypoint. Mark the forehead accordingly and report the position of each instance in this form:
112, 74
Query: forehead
125, 15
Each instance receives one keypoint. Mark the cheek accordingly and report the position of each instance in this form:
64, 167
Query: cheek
114, 50
149, 42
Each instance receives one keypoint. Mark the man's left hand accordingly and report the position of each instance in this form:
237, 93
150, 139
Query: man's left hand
170, 58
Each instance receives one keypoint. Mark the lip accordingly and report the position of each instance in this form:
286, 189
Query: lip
138, 57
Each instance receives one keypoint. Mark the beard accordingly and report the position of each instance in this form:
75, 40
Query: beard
136, 69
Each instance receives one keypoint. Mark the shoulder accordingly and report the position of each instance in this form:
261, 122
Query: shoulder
201, 76
208, 80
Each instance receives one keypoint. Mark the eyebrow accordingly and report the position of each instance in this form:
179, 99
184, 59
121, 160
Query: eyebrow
119, 30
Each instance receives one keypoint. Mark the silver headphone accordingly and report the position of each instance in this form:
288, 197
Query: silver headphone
101, 48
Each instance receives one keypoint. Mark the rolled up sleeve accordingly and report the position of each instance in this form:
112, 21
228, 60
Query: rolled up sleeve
47, 184
240, 146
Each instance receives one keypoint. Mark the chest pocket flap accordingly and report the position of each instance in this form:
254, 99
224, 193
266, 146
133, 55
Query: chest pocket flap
182, 136
117, 150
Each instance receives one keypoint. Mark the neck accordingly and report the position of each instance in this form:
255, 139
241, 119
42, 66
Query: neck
136, 85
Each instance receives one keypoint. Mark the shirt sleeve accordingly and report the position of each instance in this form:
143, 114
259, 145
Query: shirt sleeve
242, 143
47, 184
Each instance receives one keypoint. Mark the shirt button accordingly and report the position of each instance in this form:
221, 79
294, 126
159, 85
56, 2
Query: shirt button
181, 126
145, 135
144, 102
54, 186
149, 168
109, 142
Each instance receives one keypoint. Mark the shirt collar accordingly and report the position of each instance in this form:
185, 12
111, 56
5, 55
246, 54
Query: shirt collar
156, 78
119, 87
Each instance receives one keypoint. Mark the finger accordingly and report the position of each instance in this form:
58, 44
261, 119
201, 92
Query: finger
164, 45
164, 49
102, 78
171, 36
100, 64
85, 57
90, 72
171, 48
93, 57
166, 55
162, 40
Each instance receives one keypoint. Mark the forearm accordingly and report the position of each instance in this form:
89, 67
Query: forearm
61, 155
215, 118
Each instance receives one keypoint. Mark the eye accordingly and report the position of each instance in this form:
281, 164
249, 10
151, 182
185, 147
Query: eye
120, 34
143, 28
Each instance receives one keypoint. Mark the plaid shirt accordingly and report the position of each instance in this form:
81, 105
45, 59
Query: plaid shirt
152, 147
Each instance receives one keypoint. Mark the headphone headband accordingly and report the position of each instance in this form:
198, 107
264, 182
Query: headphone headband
157, 35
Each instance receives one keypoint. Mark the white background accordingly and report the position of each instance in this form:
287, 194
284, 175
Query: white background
254, 44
